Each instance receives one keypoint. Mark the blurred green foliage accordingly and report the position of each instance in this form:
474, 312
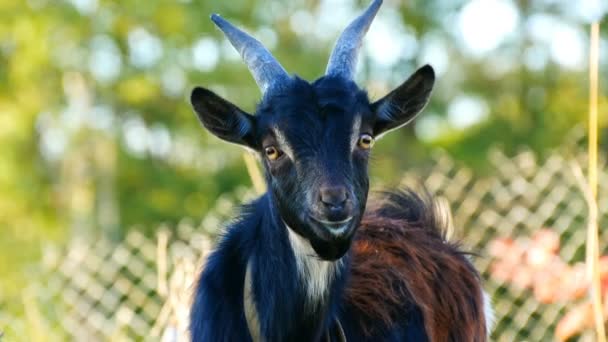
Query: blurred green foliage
96, 134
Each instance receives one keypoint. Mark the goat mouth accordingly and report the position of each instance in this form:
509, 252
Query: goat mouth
333, 224
335, 228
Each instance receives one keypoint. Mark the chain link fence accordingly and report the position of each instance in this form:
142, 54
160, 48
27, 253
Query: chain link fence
139, 288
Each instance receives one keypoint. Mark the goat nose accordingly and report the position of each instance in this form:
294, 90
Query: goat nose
333, 197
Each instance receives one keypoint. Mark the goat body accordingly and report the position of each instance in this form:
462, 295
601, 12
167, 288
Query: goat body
401, 281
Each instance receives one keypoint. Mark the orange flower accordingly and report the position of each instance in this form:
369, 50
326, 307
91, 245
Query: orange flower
575, 321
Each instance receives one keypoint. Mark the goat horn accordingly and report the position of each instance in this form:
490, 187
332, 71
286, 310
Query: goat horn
343, 59
266, 70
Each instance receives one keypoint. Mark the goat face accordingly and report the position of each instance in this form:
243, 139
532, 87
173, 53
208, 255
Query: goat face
315, 141
316, 161
314, 138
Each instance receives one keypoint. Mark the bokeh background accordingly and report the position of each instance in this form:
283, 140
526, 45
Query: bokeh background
98, 141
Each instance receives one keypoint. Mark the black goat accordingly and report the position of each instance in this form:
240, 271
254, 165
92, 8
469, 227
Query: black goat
306, 261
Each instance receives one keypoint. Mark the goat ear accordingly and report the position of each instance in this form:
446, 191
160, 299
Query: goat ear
402, 104
222, 118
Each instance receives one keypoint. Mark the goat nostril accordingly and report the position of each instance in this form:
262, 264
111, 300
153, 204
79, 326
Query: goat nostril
333, 198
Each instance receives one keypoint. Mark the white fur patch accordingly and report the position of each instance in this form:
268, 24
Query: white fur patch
283, 143
316, 274
251, 313
488, 312
355, 132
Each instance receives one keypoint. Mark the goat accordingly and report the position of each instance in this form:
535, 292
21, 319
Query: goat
306, 261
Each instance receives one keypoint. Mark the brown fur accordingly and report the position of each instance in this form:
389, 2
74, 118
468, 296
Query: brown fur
401, 257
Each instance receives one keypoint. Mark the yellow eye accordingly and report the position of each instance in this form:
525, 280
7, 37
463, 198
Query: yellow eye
366, 141
272, 153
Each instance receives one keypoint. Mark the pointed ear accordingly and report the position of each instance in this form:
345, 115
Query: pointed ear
402, 105
222, 118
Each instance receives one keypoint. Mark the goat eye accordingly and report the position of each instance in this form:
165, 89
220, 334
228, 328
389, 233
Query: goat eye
366, 141
272, 153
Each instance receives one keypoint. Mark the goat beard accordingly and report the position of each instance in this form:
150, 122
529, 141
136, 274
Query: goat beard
330, 250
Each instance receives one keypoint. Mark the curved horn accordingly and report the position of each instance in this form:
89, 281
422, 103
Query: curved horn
265, 69
343, 59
